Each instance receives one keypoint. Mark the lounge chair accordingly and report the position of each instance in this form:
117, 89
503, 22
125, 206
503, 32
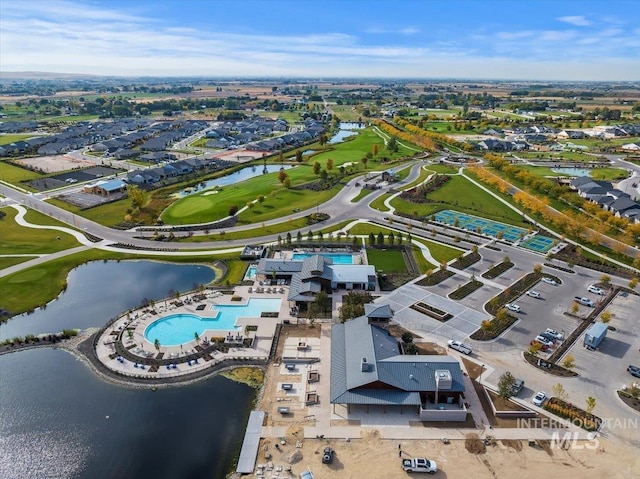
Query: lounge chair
250, 289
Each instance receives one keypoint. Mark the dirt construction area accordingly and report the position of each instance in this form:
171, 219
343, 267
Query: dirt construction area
53, 164
372, 457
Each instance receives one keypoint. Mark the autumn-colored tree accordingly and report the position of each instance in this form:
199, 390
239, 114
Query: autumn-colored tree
316, 168
364, 160
329, 164
282, 175
375, 149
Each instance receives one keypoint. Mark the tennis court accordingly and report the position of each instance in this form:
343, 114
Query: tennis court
475, 223
538, 243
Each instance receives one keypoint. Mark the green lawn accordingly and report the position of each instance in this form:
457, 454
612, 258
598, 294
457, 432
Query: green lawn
14, 174
6, 139
33, 287
389, 260
355, 147
441, 252
461, 195
5, 262
17, 239
363, 192
606, 173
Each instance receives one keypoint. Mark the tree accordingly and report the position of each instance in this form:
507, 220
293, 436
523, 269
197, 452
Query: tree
288, 238
316, 168
282, 175
323, 301
605, 279
372, 239
196, 336
569, 362
138, 196
407, 337
364, 161
411, 348
591, 404
156, 343
575, 307
375, 149
560, 392
299, 237
233, 210
329, 164
298, 156
392, 144
380, 239
605, 317
537, 269
505, 386
633, 282
535, 348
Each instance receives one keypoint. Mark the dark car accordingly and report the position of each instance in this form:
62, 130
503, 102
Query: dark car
548, 337
327, 455
517, 387
634, 371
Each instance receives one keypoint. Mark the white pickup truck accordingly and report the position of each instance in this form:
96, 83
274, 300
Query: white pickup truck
459, 346
584, 301
419, 465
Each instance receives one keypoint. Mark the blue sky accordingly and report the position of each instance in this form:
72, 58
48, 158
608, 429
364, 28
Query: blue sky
494, 39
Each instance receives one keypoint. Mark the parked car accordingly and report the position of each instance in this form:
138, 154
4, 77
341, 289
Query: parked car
548, 337
595, 290
555, 334
419, 465
512, 307
459, 346
543, 347
327, 455
539, 398
550, 281
517, 387
533, 294
306, 475
544, 341
634, 371
584, 301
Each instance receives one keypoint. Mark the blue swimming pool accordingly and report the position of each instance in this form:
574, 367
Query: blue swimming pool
338, 258
180, 328
251, 272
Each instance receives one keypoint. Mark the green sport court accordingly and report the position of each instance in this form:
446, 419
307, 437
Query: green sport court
510, 233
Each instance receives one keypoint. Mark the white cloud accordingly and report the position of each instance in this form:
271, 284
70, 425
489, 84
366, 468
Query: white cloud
65, 37
390, 31
577, 20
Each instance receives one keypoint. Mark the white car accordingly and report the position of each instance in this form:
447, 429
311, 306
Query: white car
544, 341
420, 465
554, 333
512, 307
550, 281
595, 290
539, 398
459, 346
533, 294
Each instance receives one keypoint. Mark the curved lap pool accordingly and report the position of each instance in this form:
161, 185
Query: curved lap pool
180, 328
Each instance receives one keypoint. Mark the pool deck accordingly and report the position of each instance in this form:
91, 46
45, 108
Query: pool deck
193, 356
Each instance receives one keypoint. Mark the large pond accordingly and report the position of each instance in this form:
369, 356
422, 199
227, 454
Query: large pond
232, 178
98, 291
59, 420
346, 130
